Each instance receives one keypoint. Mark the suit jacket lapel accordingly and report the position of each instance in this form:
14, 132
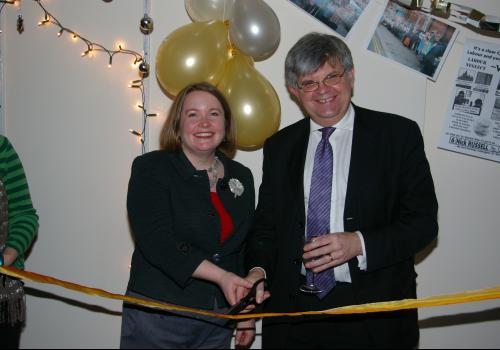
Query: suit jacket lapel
363, 163
296, 168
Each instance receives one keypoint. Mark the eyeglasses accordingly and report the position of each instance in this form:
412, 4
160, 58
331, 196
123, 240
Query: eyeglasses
331, 80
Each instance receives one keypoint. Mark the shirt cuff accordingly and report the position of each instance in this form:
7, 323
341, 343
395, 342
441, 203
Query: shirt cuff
260, 268
362, 264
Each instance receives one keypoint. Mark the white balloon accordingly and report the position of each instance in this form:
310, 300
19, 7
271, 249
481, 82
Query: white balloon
254, 28
208, 10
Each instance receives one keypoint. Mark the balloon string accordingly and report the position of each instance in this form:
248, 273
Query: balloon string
227, 10
224, 11
231, 47
225, 19
442, 300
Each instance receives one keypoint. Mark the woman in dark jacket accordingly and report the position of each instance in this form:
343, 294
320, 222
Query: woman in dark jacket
190, 208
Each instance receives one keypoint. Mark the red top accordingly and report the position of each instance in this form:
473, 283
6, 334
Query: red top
226, 222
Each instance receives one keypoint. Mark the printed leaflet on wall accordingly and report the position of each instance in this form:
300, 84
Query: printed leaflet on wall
473, 123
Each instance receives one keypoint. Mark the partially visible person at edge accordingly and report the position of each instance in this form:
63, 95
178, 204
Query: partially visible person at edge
18, 228
190, 208
381, 209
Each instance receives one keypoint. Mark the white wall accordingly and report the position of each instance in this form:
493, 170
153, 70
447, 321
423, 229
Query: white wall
69, 118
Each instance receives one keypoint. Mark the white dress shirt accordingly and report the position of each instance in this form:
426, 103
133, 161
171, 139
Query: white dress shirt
341, 141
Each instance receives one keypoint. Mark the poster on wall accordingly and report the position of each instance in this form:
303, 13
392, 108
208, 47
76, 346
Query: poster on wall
473, 123
339, 15
413, 39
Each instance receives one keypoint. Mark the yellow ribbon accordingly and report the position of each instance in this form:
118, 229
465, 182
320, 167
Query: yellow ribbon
440, 300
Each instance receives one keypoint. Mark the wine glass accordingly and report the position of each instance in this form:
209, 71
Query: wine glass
310, 288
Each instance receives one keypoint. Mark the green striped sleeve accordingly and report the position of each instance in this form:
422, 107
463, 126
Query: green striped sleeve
23, 220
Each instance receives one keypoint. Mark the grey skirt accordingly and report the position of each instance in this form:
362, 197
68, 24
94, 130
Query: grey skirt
145, 328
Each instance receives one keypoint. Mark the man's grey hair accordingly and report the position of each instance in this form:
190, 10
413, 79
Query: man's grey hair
311, 52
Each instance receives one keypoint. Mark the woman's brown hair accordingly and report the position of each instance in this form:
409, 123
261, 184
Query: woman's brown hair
170, 133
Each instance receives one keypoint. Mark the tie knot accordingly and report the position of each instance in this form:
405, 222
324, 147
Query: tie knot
327, 132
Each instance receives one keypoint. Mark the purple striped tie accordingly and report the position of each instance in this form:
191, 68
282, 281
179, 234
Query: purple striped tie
318, 212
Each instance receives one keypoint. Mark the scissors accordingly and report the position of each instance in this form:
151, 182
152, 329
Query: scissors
249, 299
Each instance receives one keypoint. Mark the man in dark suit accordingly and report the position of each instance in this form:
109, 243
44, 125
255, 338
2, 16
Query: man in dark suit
381, 209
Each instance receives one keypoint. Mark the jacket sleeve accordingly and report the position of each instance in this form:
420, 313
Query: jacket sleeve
414, 224
23, 219
262, 242
150, 219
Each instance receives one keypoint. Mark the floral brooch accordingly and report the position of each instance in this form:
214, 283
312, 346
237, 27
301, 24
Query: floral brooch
236, 187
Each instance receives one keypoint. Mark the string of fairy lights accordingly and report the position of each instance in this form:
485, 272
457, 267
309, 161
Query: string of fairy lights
92, 47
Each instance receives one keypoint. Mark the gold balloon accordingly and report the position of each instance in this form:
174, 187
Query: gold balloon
254, 103
193, 53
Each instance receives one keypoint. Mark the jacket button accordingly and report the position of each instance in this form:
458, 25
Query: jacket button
216, 258
184, 247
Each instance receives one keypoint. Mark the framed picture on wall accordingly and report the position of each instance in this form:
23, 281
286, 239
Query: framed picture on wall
339, 15
413, 39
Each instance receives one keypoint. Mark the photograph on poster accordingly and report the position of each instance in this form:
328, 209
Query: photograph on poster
482, 127
476, 103
496, 110
484, 78
495, 114
413, 39
462, 98
339, 15
468, 101
466, 75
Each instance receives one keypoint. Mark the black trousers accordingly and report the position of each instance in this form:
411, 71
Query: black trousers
10, 335
318, 332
